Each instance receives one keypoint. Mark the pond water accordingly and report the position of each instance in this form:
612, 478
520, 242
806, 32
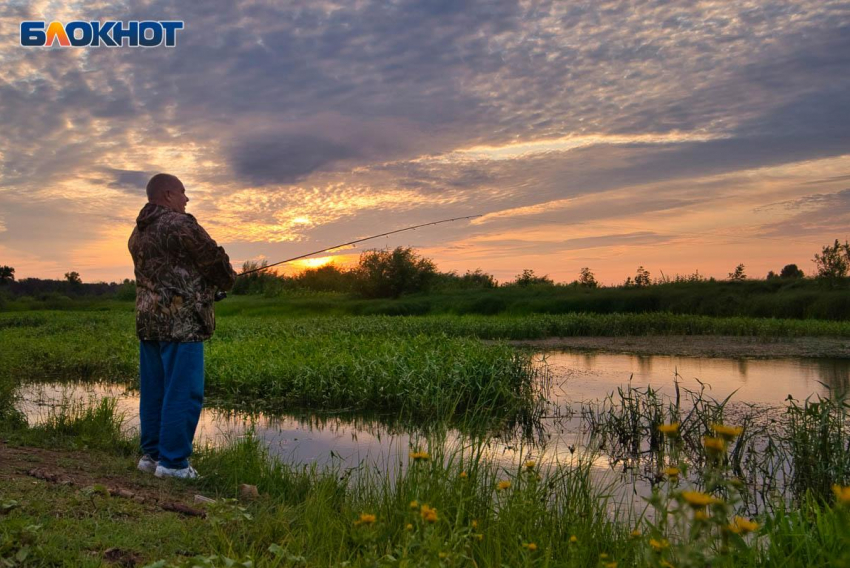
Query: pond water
576, 377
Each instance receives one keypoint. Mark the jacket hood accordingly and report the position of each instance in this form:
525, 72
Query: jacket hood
149, 214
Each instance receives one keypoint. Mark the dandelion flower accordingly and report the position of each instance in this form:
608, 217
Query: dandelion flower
740, 525
414, 504
603, 556
474, 524
531, 546
442, 554
610, 565
478, 536
418, 456
503, 485
428, 513
700, 515
635, 533
529, 465
573, 539
714, 444
672, 472
669, 429
698, 499
727, 432
463, 475
365, 519
659, 545
408, 527
842, 494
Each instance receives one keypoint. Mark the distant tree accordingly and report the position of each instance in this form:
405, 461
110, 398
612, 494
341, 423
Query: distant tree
73, 278
326, 278
527, 278
791, 271
771, 275
695, 277
738, 274
126, 290
479, 278
389, 274
833, 261
642, 277
587, 279
627, 283
7, 274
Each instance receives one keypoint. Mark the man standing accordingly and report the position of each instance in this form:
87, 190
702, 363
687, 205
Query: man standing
178, 269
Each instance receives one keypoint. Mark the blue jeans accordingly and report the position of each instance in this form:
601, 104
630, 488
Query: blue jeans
172, 393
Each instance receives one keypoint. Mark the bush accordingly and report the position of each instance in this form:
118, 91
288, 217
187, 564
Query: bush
385, 274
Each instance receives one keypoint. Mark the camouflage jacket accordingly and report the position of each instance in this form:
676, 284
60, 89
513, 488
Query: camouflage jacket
178, 269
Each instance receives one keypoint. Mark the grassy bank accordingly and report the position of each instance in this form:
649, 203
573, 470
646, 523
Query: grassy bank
451, 506
425, 366
775, 298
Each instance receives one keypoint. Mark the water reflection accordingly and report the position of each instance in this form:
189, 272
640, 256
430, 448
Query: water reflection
576, 377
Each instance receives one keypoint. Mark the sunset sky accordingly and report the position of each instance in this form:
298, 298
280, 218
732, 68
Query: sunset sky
680, 136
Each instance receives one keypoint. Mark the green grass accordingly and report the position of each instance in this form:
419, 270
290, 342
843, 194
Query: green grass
426, 366
307, 516
783, 455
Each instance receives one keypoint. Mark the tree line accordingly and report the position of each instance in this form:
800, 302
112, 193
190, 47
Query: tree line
393, 273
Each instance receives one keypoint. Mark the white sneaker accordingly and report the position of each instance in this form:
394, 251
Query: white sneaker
184, 473
147, 464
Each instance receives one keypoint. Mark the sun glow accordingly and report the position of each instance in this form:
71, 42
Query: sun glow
317, 262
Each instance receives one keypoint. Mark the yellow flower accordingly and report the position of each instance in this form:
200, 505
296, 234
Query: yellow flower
672, 472
530, 546
714, 444
428, 513
573, 539
698, 499
416, 456
740, 525
463, 475
365, 519
503, 485
659, 545
478, 536
602, 556
669, 429
635, 533
610, 565
474, 524
530, 464
700, 515
408, 527
442, 555
727, 432
842, 494
414, 504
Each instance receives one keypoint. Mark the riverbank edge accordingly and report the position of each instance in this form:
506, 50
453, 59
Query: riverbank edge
698, 346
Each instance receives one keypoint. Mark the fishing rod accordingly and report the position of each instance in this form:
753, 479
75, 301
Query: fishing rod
220, 295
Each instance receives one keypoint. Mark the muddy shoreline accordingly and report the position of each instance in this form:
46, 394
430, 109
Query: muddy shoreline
701, 346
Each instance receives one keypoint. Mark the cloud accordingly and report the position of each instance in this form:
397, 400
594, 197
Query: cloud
824, 213
132, 182
285, 158
338, 111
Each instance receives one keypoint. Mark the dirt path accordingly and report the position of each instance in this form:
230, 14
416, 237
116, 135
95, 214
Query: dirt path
701, 345
81, 469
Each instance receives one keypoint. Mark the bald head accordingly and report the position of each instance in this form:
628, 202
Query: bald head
167, 190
